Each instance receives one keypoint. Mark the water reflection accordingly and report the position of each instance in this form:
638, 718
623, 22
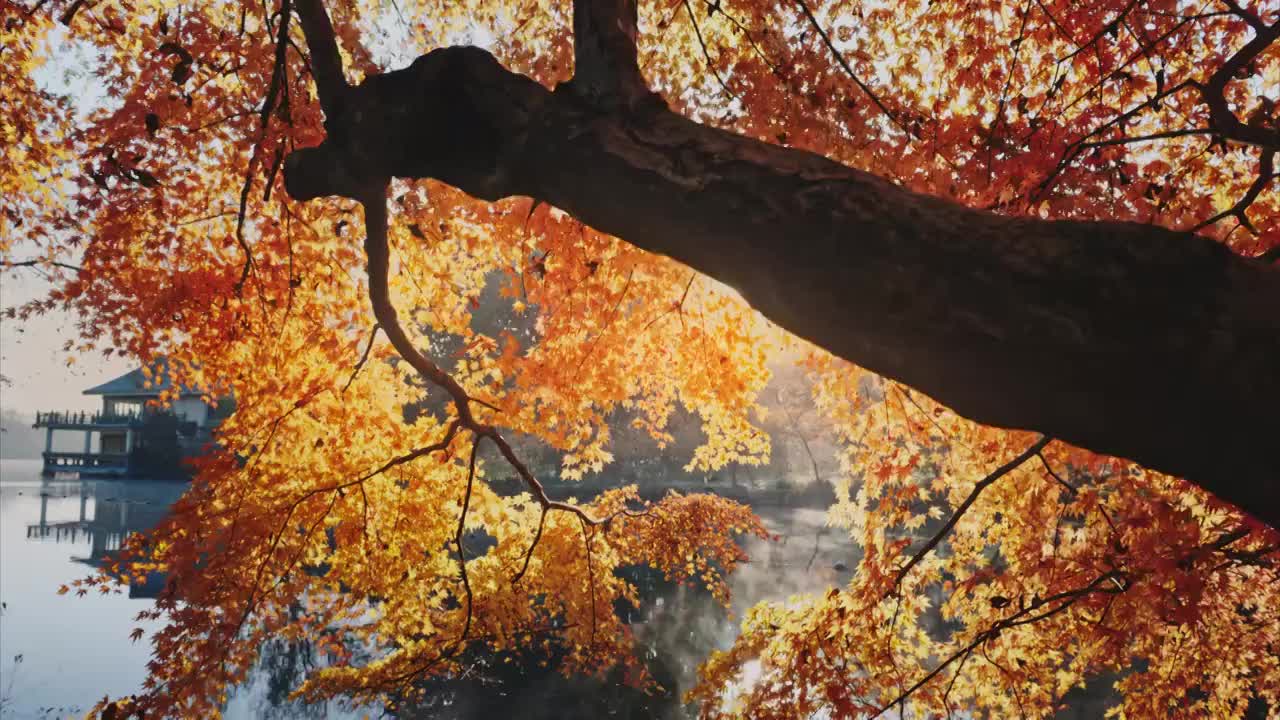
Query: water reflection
675, 629
60, 654
109, 512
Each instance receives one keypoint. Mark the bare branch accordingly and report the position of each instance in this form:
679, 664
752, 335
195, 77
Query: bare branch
38, 263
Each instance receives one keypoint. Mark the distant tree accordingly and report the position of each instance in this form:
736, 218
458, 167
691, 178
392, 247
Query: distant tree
18, 440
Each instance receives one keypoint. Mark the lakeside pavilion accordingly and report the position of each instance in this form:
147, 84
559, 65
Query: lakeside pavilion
127, 405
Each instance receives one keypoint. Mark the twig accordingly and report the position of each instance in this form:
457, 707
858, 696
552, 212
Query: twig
844, 64
964, 506
697, 32
457, 536
373, 335
1022, 617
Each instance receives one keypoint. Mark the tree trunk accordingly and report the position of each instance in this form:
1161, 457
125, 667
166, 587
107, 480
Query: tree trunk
1130, 340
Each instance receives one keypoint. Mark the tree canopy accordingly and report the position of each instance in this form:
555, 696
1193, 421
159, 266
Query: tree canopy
1025, 250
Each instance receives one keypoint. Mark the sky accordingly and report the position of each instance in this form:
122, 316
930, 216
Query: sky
32, 358
31, 354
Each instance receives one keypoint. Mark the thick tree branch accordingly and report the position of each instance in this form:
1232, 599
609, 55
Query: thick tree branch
1127, 339
604, 53
326, 61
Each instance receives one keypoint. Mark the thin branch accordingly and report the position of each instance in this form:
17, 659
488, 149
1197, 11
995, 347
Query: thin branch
1266, 173
377, 252
1022, 617
457, 536
373, 335
587, 536
844, 64
1108, 27
278, 66
697, 32
542, 521
964, 506
37, 263
1070, 488
245, 189
613, 315
1147, 138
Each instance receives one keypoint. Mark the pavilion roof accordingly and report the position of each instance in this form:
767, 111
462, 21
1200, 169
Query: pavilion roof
134, 383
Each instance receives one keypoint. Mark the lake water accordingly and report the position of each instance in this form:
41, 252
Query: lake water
61, 654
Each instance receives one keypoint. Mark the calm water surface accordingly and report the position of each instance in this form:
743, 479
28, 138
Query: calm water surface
61, 654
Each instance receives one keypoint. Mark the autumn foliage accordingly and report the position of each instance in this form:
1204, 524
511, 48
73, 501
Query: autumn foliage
157, 208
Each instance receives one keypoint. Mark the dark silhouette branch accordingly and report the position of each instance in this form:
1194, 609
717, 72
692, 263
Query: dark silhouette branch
605, 68
364, 357
326, 61
38, 263
1220, 114
457, 537
1127, 339
1266, 173
844, 65
706, 55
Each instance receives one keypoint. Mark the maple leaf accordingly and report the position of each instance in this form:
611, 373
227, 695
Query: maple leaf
1044, 230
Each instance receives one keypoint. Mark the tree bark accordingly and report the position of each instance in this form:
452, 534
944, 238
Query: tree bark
1127, 339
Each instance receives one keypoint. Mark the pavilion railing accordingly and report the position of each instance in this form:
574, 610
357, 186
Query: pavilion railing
82, 418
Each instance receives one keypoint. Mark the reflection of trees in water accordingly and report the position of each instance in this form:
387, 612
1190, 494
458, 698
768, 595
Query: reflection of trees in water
675, 628
283, 664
